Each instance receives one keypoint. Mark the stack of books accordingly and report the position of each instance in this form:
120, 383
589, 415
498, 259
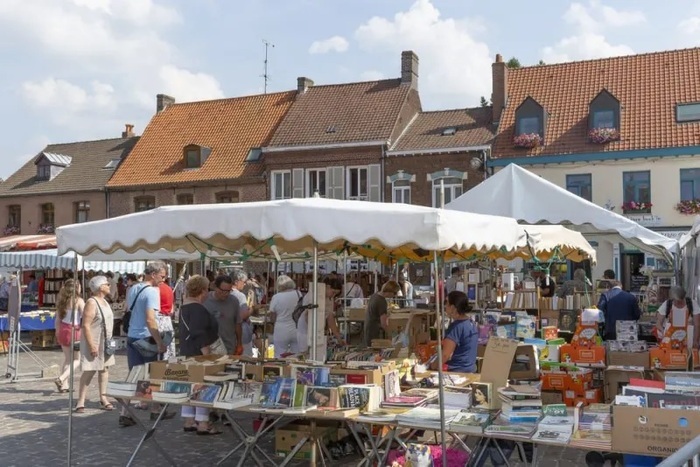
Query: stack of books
593, 429
127, 388
520, 403
426, 417
556, 426
236, 394
471, 421
457, 397
502, 426
415, 397
173, 392
365, 397
276, 394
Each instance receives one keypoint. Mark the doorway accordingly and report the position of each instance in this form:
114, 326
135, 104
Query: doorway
632, 279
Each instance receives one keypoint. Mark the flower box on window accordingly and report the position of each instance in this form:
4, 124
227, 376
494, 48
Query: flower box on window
636, 207
45, 229
527, 140
603, 135
689, 207
11, 230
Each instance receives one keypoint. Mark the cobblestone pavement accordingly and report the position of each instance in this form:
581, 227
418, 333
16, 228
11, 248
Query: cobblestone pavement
34, 430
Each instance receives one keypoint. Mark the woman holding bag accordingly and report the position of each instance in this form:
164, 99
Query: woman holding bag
97, 324
69, 308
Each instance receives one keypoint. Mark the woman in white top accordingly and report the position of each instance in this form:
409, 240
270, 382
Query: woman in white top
281, 308
328, 322
69, 308
98, 322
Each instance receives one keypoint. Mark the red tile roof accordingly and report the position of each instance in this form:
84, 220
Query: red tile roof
343, 113
648, 87
229, 127
473, 127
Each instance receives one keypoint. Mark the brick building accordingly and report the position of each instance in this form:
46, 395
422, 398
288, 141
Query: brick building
198, 153
63, 184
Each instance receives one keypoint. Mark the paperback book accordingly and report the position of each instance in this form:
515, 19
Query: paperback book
205, 393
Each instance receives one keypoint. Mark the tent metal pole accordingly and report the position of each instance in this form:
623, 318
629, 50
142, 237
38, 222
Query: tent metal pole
314, 310
440, 309
346, 334
71, 371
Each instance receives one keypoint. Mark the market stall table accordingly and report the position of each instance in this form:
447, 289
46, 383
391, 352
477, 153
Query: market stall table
31, 321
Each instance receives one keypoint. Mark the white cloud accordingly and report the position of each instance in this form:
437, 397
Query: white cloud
332, 44
455, 68
590, 21
690, 25
65, 98
189, 86
371, 75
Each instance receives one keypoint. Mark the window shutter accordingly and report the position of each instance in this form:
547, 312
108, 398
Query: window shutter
297, 183
374, 182
335, 182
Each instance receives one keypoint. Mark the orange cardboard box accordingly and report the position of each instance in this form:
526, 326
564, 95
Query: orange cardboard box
593, 355
661, 358
557, 380
590, 396
580, 380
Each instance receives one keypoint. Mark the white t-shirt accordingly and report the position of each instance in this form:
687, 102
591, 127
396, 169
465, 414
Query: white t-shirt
283, 304
353, 290
675, 309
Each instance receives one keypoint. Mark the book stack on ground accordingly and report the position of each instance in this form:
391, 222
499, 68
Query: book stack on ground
471, 421
415, 397
556, 426
593, 429
520, 403
427, 417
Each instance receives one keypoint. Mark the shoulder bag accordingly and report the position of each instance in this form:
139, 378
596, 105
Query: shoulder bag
217, 347
127, 315
110, 344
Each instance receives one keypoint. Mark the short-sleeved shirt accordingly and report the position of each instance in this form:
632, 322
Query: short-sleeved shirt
197, 329
167, 299
247, 326
227, 316
464, 333
662, 308
149, 299
376, 307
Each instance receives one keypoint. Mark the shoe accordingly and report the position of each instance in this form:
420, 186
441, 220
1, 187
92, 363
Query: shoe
211, 431
166, 415
189, 429
125, 421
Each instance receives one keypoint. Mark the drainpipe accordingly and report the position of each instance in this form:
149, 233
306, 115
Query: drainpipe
382, 180
107, 203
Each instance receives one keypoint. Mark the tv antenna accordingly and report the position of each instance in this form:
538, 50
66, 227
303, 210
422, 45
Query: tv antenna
266, 75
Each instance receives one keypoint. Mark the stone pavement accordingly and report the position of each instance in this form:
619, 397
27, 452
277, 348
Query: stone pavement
34, 430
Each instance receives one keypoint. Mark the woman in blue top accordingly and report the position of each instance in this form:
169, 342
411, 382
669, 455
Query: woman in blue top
461, 339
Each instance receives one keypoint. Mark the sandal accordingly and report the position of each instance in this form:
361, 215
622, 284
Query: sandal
108, 406
211, 431
59, 386
79, 410
189, 429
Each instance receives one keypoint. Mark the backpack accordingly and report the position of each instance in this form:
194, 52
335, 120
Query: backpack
688, 304
127, 315
299, 309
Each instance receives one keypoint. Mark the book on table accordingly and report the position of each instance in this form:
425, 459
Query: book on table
501, 425
237, 394
471, 421
426, 417
144, 389
365, 397
276, 394
205, 393
412, 398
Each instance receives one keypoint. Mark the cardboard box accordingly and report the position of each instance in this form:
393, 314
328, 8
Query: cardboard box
591, 356
552, 396
414, 323
356, 376
628, 359
356, 314
653, 432
617, 377
526, 363
668, 359
497, 361
288, 436
590, 396
44, 339
193, 372
555, 380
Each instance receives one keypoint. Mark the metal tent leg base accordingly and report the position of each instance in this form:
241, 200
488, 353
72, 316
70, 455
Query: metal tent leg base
17, 346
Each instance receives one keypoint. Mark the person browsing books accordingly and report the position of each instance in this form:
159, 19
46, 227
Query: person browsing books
198, 330
376, 316
461, 339
617, 305
282, 305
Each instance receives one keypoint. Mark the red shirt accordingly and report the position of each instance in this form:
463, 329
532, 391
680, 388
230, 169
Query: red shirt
167, 298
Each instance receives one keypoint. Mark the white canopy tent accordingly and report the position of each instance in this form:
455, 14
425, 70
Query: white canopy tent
551, 240
522, 195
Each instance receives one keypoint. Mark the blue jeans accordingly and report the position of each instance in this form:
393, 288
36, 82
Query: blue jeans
134, 357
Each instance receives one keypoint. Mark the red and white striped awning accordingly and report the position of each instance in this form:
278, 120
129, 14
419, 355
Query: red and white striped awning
27, 242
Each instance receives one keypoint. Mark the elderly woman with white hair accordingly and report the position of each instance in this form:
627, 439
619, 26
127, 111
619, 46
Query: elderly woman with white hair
97, 326
282, 306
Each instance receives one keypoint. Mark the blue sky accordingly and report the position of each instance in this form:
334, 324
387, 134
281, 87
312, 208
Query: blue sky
77, 70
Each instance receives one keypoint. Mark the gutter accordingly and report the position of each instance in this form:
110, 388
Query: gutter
417, 152
356, 144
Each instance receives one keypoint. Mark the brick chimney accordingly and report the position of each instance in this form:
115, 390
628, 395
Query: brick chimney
163, 101
409, 68
499, 83
128, 131
303, 84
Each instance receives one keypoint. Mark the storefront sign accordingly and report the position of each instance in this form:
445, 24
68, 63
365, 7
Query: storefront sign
646, 220
674, 234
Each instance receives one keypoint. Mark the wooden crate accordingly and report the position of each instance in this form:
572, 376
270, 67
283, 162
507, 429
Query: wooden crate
44, 339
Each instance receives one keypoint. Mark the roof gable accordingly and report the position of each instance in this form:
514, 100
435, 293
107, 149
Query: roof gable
353, 112
84, 168
228, 127
647, 86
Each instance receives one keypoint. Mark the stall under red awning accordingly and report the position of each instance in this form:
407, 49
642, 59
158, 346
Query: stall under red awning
27, 242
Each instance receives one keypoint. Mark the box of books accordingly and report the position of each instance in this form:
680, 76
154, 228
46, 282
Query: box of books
360, 376
593, 355
286, 438
650, 431
623, 358
668, 359
191, 369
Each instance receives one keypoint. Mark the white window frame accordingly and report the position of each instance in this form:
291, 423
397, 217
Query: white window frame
348, 185
273, 183
403, 189
307, 181
448, 186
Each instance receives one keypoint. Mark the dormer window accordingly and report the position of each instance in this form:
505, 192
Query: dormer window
48, 165
530, 124
254, 155
604, 118
688, 112
450, 131
196, 156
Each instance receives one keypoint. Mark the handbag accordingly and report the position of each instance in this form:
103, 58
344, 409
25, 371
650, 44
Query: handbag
110, 344
217, 347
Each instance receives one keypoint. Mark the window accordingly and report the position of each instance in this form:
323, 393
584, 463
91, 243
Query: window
144, 203
450, 131
530, 118
14, 218
112, 164
43, 172
357, 183
580, 185
185, 198
690, 184
604, 119
227, 197
316, 182
453, 189
281, 184
636, 190
82, 211
47, 214
254, 155
196, 156
604, 111
688, 112
401, 191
